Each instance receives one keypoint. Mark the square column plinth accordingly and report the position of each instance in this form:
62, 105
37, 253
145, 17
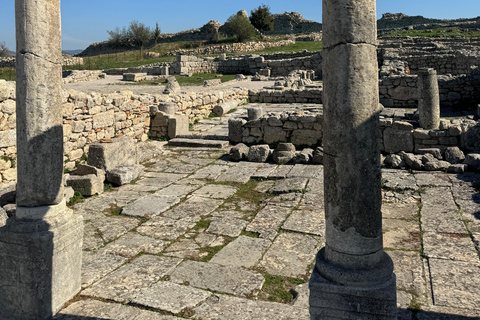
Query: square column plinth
40, 263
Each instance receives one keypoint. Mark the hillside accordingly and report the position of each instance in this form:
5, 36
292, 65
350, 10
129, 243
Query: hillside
400, 20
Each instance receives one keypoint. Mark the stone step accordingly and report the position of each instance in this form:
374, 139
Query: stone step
203, 136
198, 143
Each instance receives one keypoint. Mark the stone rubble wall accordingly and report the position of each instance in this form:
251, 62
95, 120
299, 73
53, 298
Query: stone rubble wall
71, 76
293, 22
401, 91
285, 95
91, 117
301, 129
278, 64
68, 60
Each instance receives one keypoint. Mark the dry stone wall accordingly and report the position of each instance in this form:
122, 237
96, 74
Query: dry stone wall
285, 95
89, 118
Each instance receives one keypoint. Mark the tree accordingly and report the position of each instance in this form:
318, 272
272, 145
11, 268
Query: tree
119, 37
139, 34
261, 18
4, 52
156, 33
239, 26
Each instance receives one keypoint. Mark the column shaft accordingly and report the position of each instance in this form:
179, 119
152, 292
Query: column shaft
429, 99
39, 106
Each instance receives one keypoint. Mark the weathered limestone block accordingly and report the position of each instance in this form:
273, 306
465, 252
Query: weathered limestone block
394, 161
8, 138
3, 217
254, 113
284, 153
304, 157
259, 153
177, 125
274, 135
235, 129
87, 185
398, 137
168, 108
212, 82
470, 140
124, 174
473, 161
172, 86
8, 106
413, 161
239, 152
304, 137
107, 156
104, 119
134, 76
454, 155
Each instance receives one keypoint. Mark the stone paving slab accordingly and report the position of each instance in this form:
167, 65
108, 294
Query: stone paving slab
280, 172
240, 173
433, 179
92, 239
132, 243
99, 310
124, 284
398, 180
209, 173
411, 277
264, 172
95, 265
184, 248
268, 220
194, 207
450, 247
242, 252
288, 200
162, 181
222, 307
215, 191
150, 205
264, 186
289, 185
306, 221
291, 255
400, 210
227, 279
305, 171
401, 235
440, 213
455, 283
446, 313
165, 228
227, 226
111, 227
177, 190
170, 297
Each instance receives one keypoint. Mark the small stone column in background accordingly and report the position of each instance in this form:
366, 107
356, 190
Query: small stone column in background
353, 277
41, 247
429, 99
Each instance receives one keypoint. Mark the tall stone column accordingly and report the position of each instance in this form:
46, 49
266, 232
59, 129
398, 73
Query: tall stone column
429, 99
40, 248
353, 277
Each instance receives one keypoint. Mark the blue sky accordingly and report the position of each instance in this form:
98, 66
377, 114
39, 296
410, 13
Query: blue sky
86, 21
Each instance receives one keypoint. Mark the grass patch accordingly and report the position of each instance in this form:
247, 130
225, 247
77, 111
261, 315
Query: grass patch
211, 252
250, 234
8, 74
297, 47
197, 79
114, 210
279, 288
77, 198
107, 186
443, 32
204, 223
246, 192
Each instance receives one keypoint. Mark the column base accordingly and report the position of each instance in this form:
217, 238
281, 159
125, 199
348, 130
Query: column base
40, 263
331, 300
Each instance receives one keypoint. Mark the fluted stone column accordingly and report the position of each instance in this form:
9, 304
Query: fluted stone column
353, 277
40, 248
429, 99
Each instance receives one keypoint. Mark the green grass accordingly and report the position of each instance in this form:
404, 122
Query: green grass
444, 32
297, 47
8, 74
278, 288
198, 78
77, 198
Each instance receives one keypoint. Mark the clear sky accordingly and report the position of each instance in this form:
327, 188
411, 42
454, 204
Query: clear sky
86, 21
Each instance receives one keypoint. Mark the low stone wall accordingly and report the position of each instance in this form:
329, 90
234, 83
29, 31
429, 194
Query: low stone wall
301, 129
401, 91
89, 118
9, 62
285, 95
71, 76
456, 63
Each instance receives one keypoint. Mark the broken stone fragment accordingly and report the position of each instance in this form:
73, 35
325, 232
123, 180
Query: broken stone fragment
303, 157
87, 185
239, 152
473, 161
394, 161
413, 161
124, 174
454, 155
259, 153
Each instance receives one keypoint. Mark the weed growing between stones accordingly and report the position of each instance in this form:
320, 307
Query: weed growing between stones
107, 187
279, 288
250, 234
77, 198
114, 210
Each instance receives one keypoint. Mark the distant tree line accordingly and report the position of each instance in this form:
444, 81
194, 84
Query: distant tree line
238, 25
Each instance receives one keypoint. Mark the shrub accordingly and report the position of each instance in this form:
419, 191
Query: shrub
261, 18
240, 27
3, 50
